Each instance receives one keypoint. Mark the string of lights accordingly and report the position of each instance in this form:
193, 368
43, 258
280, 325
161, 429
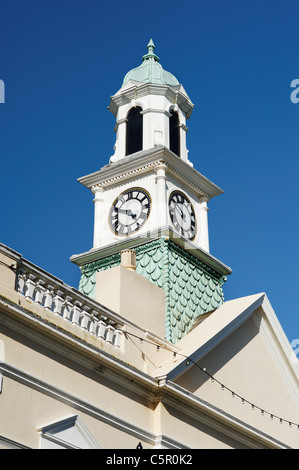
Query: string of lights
213, 379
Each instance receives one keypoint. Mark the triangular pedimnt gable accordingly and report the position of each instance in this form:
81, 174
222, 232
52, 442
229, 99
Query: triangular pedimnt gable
237, 361
68, 433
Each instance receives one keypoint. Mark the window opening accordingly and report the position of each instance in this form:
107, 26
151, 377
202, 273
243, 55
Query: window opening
134, 135
174, 133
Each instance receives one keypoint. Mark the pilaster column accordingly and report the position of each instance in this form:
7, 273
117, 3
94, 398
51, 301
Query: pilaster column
98, 209
183, 140
203, 223
162, 212
120, 142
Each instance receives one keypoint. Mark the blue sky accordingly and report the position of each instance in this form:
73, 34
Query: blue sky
62, 60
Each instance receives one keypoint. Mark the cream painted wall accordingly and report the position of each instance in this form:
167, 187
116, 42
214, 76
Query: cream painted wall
196, 434
245, 364
7, 276
25, 410
54, 368
25, 407
132, 296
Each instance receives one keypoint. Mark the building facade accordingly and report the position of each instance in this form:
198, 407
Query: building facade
145, 351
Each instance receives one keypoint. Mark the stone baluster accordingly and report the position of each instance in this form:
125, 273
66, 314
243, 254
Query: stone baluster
21, 281
117, 337
109, 334
57, 303
29, 287
60, 304
48, 298
85, 318
76, 312
39, 292
93, 323
102, 328
67, 308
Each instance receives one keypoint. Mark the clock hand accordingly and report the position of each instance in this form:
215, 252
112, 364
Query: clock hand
131, 214
127, 212
181, 212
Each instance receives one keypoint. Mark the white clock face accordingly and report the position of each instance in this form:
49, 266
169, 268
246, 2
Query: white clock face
182, 215
129, 211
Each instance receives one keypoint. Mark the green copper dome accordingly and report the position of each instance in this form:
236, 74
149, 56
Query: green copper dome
150, 71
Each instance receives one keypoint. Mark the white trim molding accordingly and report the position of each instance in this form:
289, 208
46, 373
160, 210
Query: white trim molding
68, 433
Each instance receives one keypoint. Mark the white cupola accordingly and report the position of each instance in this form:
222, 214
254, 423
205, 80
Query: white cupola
151, 202
151, 110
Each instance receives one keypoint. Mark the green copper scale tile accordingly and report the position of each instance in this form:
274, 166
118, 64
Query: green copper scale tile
191, 288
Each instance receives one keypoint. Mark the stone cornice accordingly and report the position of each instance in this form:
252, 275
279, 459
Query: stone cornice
100, 253
175, 94
146, 161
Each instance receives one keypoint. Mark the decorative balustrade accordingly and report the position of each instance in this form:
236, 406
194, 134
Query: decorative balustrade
68, 303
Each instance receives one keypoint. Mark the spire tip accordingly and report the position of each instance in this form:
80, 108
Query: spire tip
150, 51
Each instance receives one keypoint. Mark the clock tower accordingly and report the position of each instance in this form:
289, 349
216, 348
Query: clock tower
149, 199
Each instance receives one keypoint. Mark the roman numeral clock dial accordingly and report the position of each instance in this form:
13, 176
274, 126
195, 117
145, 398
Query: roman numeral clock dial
182, 215
129, 211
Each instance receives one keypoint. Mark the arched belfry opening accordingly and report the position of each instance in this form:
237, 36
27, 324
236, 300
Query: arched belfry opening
134, 133
174, 133
151, 109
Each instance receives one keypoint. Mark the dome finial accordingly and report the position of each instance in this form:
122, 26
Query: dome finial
150, 52
150, 71
151, 46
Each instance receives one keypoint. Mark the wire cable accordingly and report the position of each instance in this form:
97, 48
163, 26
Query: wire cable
189, 361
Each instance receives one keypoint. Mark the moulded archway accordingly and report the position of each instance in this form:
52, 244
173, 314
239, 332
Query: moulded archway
134, 130
174, 133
